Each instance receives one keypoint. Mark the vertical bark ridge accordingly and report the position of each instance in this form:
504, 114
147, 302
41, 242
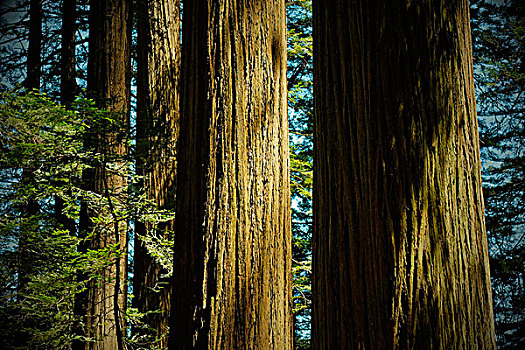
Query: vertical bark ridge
400, 249
233, 238
108, 83
157, 132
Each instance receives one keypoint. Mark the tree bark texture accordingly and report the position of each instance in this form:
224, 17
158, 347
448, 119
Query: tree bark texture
158, 61
109, 85
399, 248
232, 271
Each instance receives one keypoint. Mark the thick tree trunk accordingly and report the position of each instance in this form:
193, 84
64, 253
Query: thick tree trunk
109, 85
158, 61
232, 269
399, 249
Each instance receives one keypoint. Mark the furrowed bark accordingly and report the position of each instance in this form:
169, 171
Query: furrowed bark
400, 252
109, 85
158, 61
232, 272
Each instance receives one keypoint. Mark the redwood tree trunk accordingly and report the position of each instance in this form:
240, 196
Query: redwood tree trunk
109, 85
399, 248
232, 269
158, 61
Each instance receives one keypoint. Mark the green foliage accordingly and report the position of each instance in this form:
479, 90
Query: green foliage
42, 159
38, 141
142, 337
300, 109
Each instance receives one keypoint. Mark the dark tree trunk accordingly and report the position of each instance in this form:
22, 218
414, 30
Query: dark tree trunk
109, 85
68, 91
30, 210
400, 256
34, 45
158, 61
232, 272
68, 86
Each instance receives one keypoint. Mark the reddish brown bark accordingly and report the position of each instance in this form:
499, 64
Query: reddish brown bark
109, 85
399, 248
158, 61
232, 271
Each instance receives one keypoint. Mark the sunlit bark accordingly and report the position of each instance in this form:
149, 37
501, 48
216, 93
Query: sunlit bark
232, 276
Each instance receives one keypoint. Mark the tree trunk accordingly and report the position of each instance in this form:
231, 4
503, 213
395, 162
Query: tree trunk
399, 248
158, 60
68, 86
68, 91
34, 45
109, 85
232, 271
30, 210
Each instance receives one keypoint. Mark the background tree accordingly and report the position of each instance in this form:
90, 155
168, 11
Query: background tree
400, 254
30, 209
232, 268
109, 85
14, 43
158, 59
68, 86
300, 110
35, 45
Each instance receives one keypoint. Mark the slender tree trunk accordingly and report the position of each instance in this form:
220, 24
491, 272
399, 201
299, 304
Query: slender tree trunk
34, 45
232, 272
109, 85
68, 91
400, 252
158, 60
31, 209
68, 85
